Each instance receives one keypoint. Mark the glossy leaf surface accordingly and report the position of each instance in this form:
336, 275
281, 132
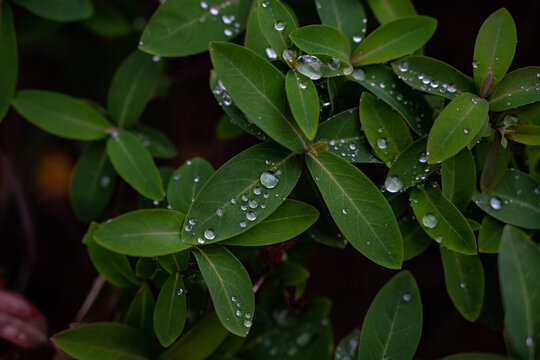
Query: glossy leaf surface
345, 16
322, 39
489, 236
518, 88
389, 10
524, 134
303, 101
170, 310
276, 22
458, 177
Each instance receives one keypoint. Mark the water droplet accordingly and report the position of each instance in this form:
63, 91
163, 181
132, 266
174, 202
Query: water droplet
475, 100
382, 143
345, 211
257, 190
279, 25
303, 339
219, 212
269, 180
495, 203
529, 342
422, 158
357, 38
266, 195
271, 53
180, 291
243, 224
188, 163
247, 323
289, 55
204, 4
451, 88
358, 74
214, 10
406, 297
475, 64
227, 19
192, 221
439, 239
234, 299
238, 312
253, 203
196, 179
251, 215
265, 4
463, 285
403, 66
434, 84
156, 58
188, 227
234, 201
228, 32
243, 207
155, 202
209, 234
176, 177
430, 220
310, 66
465, 131
348, 70
317, 178
200, 240
245, 197
104, 181
303, 85
393, 184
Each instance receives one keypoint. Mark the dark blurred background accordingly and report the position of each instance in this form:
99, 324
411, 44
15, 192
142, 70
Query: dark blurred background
70, 59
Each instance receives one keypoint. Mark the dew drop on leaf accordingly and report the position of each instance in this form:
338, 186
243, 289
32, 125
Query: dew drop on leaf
422, 157
356, 39
403, 66
279, 25
271, 53
251, 215
209, 234
269, 180
382, 143
430, 220
406, 297
247, 323
495, 203
309, 66
393, 184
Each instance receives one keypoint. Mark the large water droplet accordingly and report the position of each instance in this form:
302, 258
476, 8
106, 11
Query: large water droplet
495, 203
271, 53
247, 323
209, 234
251, 215
310, 66
430, 220
382, 143
269, 180
279, 25
303, 85
403, 66
393, 184
451, 88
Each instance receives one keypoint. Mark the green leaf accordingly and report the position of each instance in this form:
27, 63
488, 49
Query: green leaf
515, 200
131, 87
156, 142
176, 262
106, 341
170, 311
393, 323
359, 209
8, 58
433, 76
254, 38
474, 356
199, 342
344, 15
107, 22
519, 269
257, 88
394, 39
59, 10
92, 182
289, 220
134, 164
229, 286
518, 88
227, 129
525, 134
61, 115
458, 178
114, 267
180, 28
347, 348
165, 173
304, 102
441, 220
388, 10
381, 81
147, 233
410, 167
489, 236
464, 277
322, 39
456, 126
343, 135
494, 48
141, 310
415, 240
242, 193
384, 128
494, 165
276, 22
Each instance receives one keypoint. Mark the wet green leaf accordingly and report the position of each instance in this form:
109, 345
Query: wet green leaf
59, 10
8, 58
345, 16
458, 178
131, 87
61, 115
441, 220
134, 164
394, 39
389, 10
322, 39
242, 193
489, 236
494, 165
180, 28
170, 310
146, 233
360, 211
525, 134
456, 126
276, 22
393, 323
304, 102
518, 88
141, 310
347, 348
254, 38
229, 286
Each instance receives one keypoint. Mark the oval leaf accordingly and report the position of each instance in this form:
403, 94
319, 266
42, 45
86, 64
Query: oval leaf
344, 15
170, 311
242, 193
156, 142
525, 134
322, 39
8, 58
389, 10
495, 164
458, 178
441, 220
518, 88
229, 286
394, 39
59, 10
359, 209
304, 102
141, 310
146, 233
254, 38
415, 240
276, 22
456, 126
489, 236
61, 115
134, 164
393, 323
515, 200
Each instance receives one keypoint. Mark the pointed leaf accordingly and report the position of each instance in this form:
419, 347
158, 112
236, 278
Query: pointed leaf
494, 48
394, 39
229, 286
525, 134
415, 240
304, 102
458, 177
515, 200
289, 220
59, 10
384, 128
254, 38
519, 269
276, 22
322, 39
106, 341
518, 88
146, 233
389, 10
257, 88
134, 164
382, 82
242, 193
180, 28
141, 310
456, 126
131, 88
489, 236
358, 208
393, 323
61, 115
495, 165
464, 277
92, 182
344, 137
8, 58
170, 311
433, 76
345, 16
441, 220
347, 348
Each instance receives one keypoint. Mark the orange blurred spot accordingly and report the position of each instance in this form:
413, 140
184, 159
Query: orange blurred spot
53, 173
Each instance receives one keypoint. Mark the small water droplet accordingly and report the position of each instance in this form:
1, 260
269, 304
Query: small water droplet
403, 66
104, 181
475, 64
357, 38
196, 179
188, 227
463, 285
234, 299
303, 339
269, 180
422, 158
228, 32
209, 234
393, 184
279, 25
251, 215
234, 201
155, 202
156, 58
430, 220
214, 10
243, 224
253, 203
495, 203
257, 190
219, 212
529, 342
406, 297
265, 4
303, 85
245, 197
434, 84
465, 131
200, 240
204, 4
451, 88
439, 239
358, 74
180, 291
271, 53
238, 312
247, 323
345, 211
382, 143
475, 100
227, 19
